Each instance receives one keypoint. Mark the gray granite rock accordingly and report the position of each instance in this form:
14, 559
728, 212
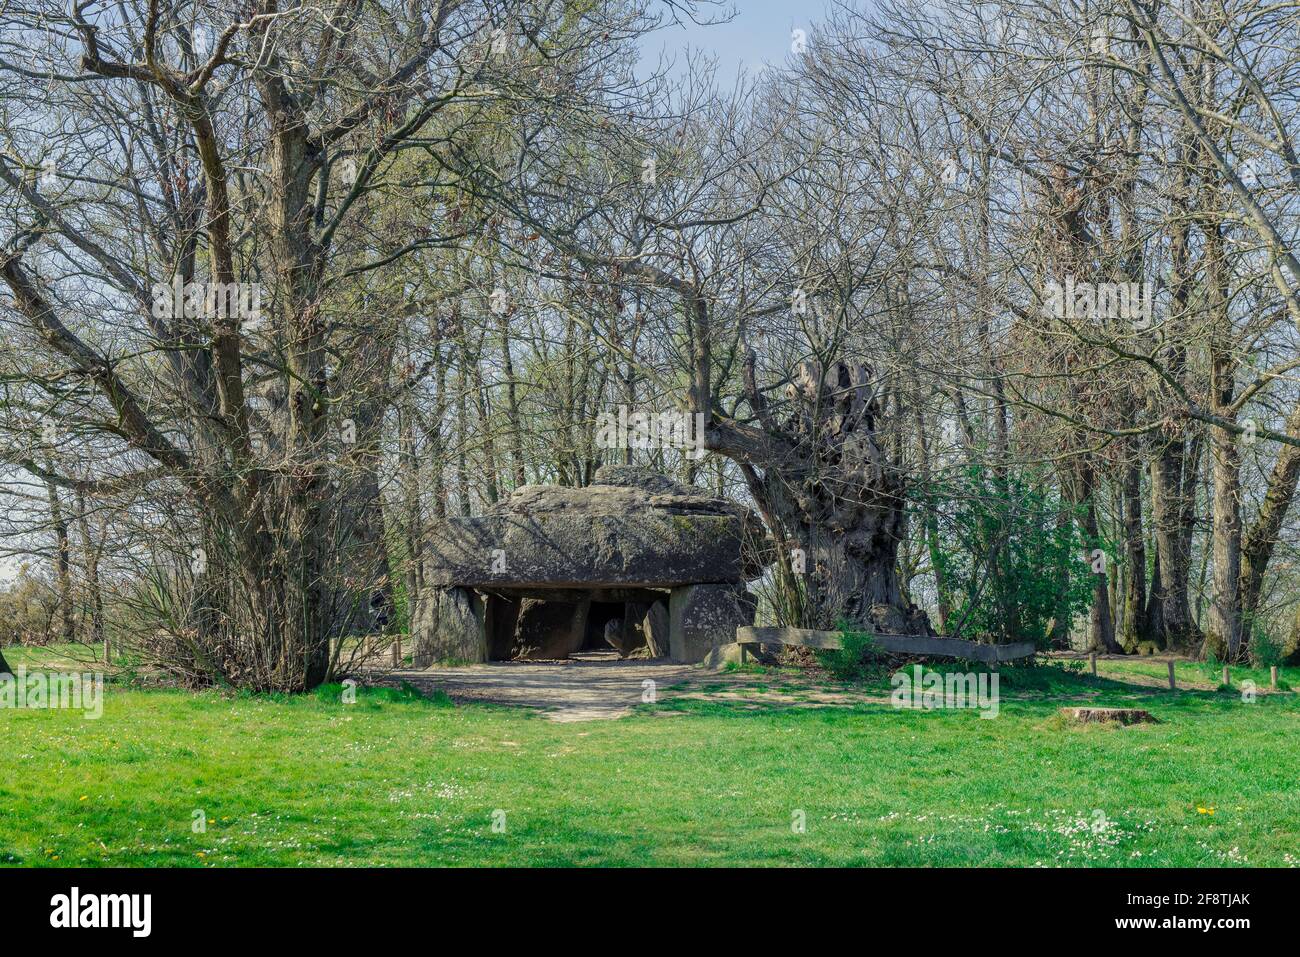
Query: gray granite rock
549, 629
447, 625
652, 535
626, 634
704, 617
655, 628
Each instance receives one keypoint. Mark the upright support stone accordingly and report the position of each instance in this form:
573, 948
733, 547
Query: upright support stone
448, 624
626, 634
548, 630
655, 625
704, 617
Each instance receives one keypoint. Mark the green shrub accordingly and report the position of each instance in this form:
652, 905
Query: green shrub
1010, 554
1267, 648
857, 660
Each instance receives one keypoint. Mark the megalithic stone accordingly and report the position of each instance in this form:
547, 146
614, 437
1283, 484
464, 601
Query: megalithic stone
549, 629
655, 628
447, 624
648, 533
704, 617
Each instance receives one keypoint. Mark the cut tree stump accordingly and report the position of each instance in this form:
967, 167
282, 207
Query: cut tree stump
1121, 715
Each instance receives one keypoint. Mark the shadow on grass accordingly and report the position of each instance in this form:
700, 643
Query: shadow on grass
1034, 691
373, 697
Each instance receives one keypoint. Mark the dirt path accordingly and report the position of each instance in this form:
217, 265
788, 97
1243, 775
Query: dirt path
599, 686
590, 688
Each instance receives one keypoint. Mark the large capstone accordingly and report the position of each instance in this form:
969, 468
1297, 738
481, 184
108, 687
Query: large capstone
648, 532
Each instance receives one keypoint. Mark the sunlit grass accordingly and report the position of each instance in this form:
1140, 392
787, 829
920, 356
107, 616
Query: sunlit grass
398, 780
62, 657
1195, 674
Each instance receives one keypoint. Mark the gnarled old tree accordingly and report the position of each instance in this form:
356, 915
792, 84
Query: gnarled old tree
826, 476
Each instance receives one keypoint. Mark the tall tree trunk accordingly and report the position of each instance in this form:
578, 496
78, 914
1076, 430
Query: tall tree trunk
1101, 632
1135, 626
436, 431
1170, 468
512, 402
300, 559
1176, 460
1259, 541
470, 365
1225, 610
362, 586
62, 563
90, 566
1059, 636
1224, 637
930, 524
413, 523
462, 441
1155, 623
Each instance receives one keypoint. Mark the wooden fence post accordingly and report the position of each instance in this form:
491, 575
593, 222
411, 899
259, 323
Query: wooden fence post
1172, 685
397, 651
1227, 680
1272, 676
1093, 658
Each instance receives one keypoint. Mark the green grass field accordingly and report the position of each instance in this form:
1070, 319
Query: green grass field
399, 780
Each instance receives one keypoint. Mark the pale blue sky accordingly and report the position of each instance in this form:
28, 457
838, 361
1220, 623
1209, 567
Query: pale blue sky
758, 34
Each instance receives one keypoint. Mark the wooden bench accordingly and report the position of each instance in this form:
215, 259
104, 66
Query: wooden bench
749, 640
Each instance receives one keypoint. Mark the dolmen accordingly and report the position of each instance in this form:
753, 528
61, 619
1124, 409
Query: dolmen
634, 561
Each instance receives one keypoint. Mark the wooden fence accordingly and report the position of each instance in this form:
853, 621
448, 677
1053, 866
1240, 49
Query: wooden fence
750, 640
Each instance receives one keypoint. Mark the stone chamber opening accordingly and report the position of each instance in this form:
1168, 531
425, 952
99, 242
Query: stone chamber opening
546, 626
602, 614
